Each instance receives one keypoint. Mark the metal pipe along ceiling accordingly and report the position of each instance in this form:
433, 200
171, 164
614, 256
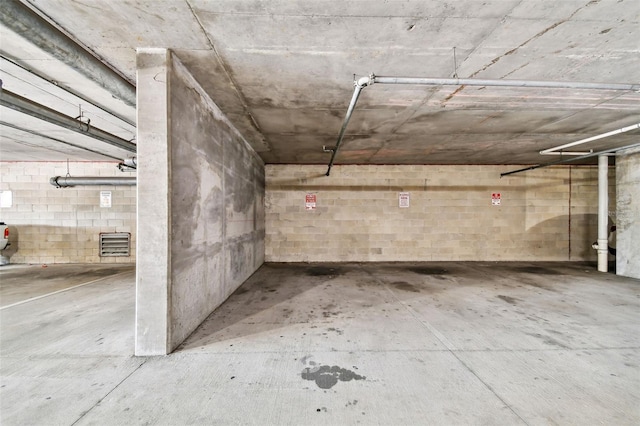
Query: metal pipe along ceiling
373, 79
22, 20
69, 181
502, 83
26, 106
359, 85
569, 160
42, 135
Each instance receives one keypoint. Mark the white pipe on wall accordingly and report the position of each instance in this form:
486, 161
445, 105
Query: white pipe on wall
603, 216
554, 150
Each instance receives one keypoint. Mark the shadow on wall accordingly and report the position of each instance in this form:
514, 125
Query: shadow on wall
548, 240
584, 233
564, 237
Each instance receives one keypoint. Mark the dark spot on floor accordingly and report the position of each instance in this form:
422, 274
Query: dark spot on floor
538, 270
508, 299
538, 285
405, 286
423, 270
319, 271
549, 340
103, 272
327, 376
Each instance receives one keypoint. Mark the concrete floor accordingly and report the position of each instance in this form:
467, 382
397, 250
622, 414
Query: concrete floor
330, 344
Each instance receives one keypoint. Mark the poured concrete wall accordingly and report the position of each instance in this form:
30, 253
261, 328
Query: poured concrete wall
63, 225
545, 214
201, 205
628, 213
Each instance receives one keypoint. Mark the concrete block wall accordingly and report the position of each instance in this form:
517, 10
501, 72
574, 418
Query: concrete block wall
451, 216
201, 197
628, 209
55, 225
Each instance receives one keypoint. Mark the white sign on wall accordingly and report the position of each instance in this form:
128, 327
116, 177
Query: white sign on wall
6, 199
403, 200
105, 198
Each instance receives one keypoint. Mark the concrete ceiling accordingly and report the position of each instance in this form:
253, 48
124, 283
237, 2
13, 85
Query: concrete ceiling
282, 71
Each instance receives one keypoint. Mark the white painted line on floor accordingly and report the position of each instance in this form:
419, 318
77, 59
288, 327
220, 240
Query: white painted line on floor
63, 290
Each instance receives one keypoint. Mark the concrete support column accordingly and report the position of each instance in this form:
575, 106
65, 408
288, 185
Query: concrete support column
153, 271
627, 213
200, 205
603, 213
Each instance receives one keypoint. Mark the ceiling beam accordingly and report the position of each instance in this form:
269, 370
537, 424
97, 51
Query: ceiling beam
26, 106
22, 20
42, 135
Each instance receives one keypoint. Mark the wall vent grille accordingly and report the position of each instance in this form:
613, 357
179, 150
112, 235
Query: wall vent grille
115, 244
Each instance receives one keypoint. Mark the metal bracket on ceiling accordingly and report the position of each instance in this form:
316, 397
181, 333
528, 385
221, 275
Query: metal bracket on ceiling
328, 149
81, 118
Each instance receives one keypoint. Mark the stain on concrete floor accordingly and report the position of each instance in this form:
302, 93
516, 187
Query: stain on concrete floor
327, 376
538, 270
508, 299
319, 271
405, 286
425, 270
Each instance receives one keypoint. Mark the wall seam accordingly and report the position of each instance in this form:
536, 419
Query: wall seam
169, 124
569, 231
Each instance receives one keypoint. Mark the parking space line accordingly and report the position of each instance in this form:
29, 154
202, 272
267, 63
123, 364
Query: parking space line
63, 290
